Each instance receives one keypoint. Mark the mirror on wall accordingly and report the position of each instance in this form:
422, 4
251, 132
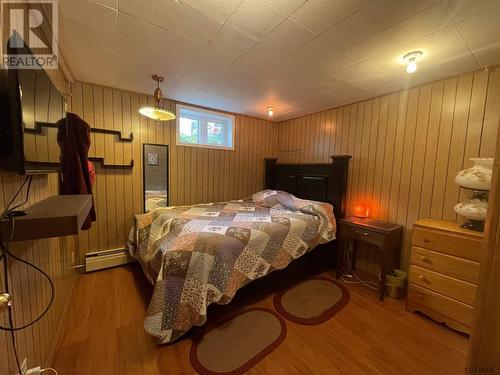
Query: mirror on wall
155, 174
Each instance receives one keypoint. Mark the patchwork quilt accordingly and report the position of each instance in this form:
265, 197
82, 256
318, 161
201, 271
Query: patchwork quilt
199, 255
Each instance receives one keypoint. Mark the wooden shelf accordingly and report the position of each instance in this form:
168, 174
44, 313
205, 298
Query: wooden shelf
34, 167
39, 125
56, 216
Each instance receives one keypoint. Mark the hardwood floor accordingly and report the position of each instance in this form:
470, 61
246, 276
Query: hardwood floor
106, 336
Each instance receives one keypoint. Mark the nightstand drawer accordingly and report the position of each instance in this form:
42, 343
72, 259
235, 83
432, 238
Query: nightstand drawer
441, 304
362, 234
449, 286
448, 243
459, 268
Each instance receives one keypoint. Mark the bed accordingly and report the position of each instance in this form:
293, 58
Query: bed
203, 254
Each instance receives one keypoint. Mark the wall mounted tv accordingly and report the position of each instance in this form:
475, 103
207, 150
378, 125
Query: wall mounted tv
30, 106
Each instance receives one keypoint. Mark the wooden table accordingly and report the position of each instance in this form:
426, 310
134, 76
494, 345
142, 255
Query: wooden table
386, 237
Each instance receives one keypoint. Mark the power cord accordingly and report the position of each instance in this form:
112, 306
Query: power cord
5, 253
358, 280
49, 369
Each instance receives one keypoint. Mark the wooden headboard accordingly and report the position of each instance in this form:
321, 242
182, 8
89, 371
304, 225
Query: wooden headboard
326, 182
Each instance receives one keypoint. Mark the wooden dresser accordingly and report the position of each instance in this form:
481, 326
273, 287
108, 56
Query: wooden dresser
444, 272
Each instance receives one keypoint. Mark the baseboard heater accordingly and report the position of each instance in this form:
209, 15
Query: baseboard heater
99, 260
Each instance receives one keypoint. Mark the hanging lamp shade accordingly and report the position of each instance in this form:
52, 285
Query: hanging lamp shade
157, 112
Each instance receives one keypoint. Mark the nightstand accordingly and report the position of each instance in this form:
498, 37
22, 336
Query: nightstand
385, 236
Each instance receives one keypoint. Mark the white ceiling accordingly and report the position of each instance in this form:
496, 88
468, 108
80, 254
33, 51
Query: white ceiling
299, 55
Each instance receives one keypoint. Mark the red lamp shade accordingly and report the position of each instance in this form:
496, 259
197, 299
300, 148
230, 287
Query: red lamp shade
361, 210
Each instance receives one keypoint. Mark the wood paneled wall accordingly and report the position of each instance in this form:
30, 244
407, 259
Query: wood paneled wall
406, 147
30, 291
196, 175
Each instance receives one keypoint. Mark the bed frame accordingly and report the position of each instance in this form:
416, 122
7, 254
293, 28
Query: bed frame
325, 182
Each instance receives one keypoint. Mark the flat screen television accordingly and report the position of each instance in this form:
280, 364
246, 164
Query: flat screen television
30, 104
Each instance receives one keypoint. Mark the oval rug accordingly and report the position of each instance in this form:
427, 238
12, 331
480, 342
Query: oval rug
312, 302
236, 344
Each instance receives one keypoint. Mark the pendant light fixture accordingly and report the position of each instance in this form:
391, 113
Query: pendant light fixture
157, 112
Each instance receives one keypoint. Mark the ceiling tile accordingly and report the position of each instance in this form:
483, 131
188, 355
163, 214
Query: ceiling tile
312, 51
453, 66
194, 25
256, 18
482, 31
93, 15
88, 38
233, 41
158, 12
289, 35
374, 46
488, 56
319, 15
212, 57
220, 10
177, 53
375, 17
138, 71
268, 57
460, 10
286, 6
361, 76
109, 3
103, 66
424, 23
132, 28
145, 52
189, 85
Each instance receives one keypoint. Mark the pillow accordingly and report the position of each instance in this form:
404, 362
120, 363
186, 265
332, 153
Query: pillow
273, 198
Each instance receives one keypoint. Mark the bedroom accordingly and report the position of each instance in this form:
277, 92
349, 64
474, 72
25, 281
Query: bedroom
182, 119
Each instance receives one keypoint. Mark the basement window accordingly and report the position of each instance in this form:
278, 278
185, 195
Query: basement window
203, 128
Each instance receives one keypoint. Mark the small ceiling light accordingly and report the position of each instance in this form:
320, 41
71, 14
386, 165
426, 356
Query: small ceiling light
411, 60
157, 112
270, 111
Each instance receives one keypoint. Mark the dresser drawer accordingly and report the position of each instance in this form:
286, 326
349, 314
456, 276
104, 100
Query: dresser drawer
448, 243
366, 235
459, 268
449, 286
451, 308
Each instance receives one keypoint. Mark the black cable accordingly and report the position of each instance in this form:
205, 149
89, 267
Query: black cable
11, 320
27, 195
7, 208
2, 328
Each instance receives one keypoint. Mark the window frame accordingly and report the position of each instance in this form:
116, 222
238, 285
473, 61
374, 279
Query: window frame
204, 116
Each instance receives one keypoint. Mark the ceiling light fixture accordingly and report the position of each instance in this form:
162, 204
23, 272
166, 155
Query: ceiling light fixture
270, 111
411, 60
157, 112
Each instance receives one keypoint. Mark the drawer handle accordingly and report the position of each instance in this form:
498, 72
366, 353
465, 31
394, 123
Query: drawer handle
421, 277
420, 296
362, 233
424, 258
426, 240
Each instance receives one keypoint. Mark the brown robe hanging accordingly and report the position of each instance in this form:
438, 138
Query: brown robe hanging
73, 137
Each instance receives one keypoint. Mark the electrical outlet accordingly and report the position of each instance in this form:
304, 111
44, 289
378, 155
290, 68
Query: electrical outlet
24, 366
